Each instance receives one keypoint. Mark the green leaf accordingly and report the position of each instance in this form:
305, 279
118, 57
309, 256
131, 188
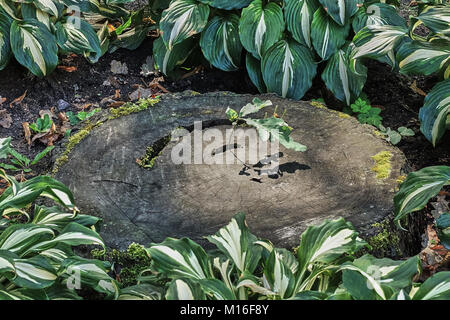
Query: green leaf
254, 107
436, 18
231, 114
91, 273
288, 69
238, 244
5, 47
433, 115
437, 287
216, 289
141, 292
254, 72
327, 36
423, 58
327, 242
394, 136
220, 42
380, 277
29, 11
77, 36
19, 195
167, 60
227, 4
4, 147
34, 46
377, 41
275, 129
377, 14
418, 188
279, 275
406, 132
180, 258
47, 6
185, 289
344, 76
182, 20
19, 238
341, 10
42, 154
299, 16
261, 25
34, 273
443, 227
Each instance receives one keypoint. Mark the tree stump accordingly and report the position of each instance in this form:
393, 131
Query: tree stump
336, 177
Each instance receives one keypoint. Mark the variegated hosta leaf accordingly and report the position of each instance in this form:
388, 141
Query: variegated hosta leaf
77, 271
48, 6
327, 36
220, 42
180, 258
279, 274
4, 147
423, 58
436, 18
77, 36
73, 234
217, 290
378, 41
182, 20
7, 262
288, 69
254, 72
34, 46
227, 4
167, 60
29, 11
418, 188
326, 242
344, 76
341, 10
238, 244
299, 16
19, 195
371, 278
141, 292
377, 14
185, 289
5, 47
33, 273
18, 238
260, 26
9, 8
437, 287
56, 219
435, 111
310, 295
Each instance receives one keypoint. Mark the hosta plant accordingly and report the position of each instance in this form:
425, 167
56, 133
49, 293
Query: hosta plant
413, 54
280, 43
37, 260
418, 188
34, 32
246, 267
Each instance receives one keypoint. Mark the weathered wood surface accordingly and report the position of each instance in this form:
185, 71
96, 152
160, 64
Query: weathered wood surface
333, 178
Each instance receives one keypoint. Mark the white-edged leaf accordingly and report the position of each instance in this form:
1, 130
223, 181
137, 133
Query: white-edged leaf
299, 16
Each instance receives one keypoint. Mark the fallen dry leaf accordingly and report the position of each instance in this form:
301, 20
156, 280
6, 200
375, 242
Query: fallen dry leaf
27, 132
417, 89
2, 100
117, 94
116, 104
18, 100
5, 119
50, 113
85, 106
67, 69
140, 93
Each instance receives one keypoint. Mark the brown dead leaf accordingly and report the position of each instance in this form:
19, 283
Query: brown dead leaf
417, 89
2, 100
50, 113
116, 104
27, 132
85, 106
155, 84
67, 68
111, 28
5, 119
18, 100
117, 94
62, 117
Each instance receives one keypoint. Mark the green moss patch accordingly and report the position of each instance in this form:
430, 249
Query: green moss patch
130, 108
382, 164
